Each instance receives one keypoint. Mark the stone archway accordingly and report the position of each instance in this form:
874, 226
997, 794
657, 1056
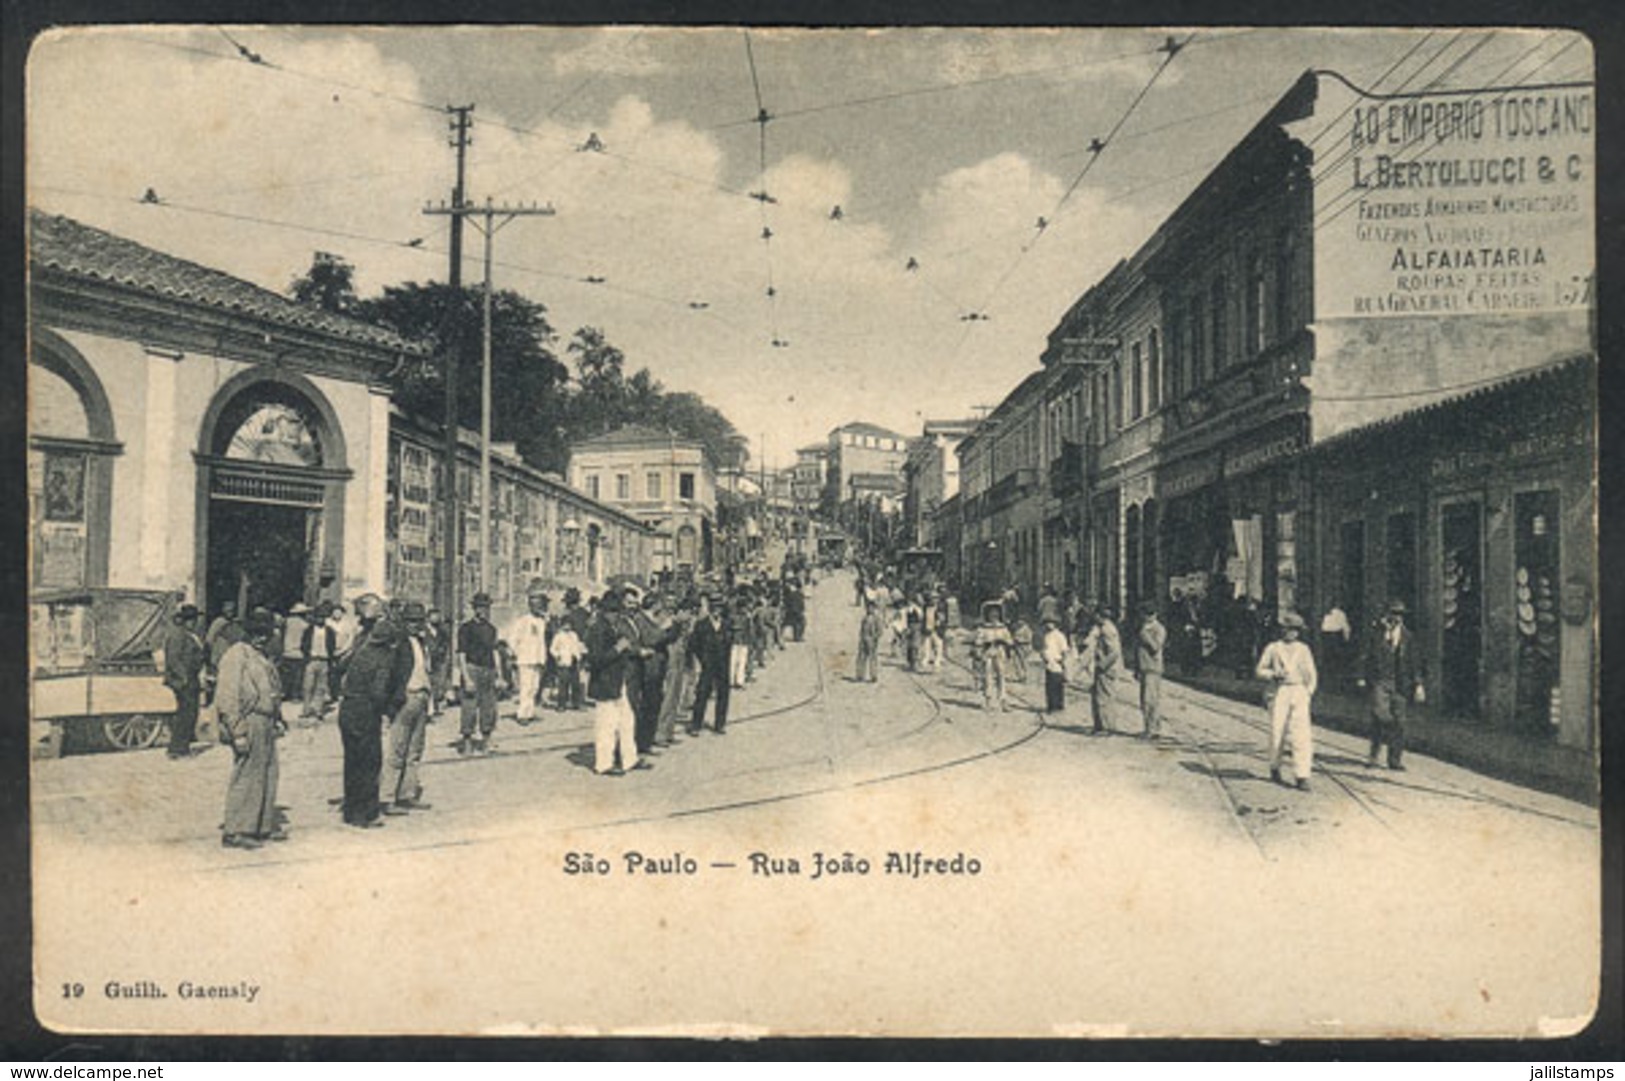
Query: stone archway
71, 450
272, 466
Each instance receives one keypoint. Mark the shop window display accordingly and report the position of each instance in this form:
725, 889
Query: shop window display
1536, 558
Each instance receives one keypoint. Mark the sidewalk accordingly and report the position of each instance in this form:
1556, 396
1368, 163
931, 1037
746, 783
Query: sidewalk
1508, 756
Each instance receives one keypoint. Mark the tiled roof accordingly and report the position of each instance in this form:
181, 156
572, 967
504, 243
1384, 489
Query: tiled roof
1489, 388
635, 435
73, 248
863, 427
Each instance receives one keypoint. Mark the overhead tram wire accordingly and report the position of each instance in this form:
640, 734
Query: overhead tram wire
271, 65
251, 219
1395, 66
558, 106
1432, 87
387, 242
762, 195
935, 88
435, 108
1345, 152
1099, 147
1351, 198
963, 84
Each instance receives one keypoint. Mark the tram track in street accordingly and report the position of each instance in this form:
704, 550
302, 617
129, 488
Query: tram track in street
1452, 791
935, 716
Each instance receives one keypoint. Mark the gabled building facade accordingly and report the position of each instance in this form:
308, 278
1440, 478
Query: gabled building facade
191, 431
664, 480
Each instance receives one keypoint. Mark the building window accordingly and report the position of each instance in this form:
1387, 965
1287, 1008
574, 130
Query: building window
1193, 341
652, 486
1217, 300
685, 486
1137, 380
592, 485
1153, 393
623, 486
1257, 305
1283, 286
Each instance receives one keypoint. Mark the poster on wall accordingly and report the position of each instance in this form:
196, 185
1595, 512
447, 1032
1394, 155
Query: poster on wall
64, 480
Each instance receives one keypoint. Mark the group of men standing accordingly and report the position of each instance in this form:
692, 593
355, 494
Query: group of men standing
1094, 655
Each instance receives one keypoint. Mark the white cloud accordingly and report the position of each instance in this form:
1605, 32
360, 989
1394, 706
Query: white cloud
1039, 54
610, 51
651, 215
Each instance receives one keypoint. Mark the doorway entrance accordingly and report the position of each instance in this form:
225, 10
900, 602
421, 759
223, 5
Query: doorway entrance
270, 494
1461, 606
261, 554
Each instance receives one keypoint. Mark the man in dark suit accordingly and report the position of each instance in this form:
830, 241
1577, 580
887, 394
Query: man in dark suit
646, 677
374, 691
610, 643
711, 643
1390, 672
183, 674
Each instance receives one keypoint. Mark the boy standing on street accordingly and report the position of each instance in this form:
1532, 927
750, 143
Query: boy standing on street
477, 656
1054, 650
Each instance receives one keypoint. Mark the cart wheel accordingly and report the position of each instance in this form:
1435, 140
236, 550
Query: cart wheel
132, 731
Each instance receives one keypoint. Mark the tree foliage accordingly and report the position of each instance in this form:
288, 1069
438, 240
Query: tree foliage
527, 380
329, 284
534, 404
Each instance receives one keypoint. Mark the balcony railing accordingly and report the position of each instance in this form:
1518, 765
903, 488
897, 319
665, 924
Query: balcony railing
1069, 473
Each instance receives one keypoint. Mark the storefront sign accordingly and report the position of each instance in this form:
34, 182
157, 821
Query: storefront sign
1456, 204
1272, 449
1188, 476
1473, 461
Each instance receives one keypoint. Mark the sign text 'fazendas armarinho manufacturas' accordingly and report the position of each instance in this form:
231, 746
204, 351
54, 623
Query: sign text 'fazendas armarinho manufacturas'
1462, 205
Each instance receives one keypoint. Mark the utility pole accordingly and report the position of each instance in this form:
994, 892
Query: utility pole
490, 212
450, 600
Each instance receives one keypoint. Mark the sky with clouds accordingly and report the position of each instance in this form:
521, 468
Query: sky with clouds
941, 146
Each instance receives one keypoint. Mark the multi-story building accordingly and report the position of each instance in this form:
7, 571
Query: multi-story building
1315, 386
931, 478
860, 449
1002, 497
664, 480
809, 475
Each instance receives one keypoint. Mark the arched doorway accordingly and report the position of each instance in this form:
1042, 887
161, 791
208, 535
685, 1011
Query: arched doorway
688, 546
271, 473
71, 447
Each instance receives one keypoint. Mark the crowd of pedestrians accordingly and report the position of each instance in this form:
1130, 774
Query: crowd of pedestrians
651, 664
647, 664
1080, 645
